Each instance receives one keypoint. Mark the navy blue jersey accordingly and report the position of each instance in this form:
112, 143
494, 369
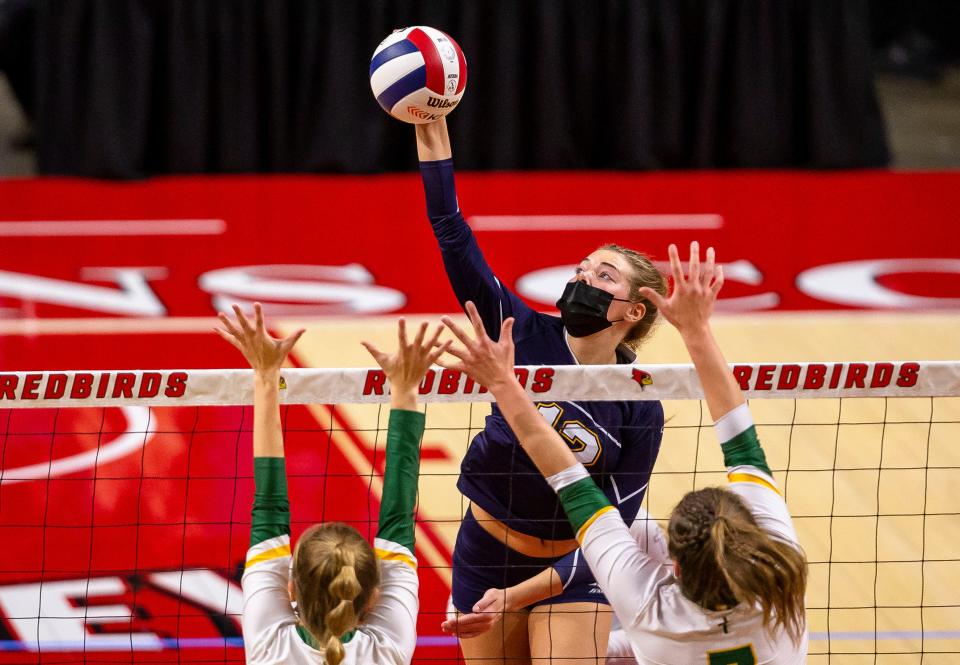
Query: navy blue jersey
617, 441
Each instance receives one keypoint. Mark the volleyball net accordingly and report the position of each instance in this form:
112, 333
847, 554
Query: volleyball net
125, 495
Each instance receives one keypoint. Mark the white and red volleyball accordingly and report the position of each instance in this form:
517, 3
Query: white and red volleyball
418, 74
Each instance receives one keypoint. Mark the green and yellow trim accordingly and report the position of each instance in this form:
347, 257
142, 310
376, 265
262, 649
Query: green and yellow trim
744, 450
593, 518
386, 555
583, 502
275, 553
749, 478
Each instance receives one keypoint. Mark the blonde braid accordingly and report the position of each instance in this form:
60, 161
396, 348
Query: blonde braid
335, 574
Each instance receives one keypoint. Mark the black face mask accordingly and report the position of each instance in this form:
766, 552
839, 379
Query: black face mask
583, 309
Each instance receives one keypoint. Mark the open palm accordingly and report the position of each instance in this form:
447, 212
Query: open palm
264, 353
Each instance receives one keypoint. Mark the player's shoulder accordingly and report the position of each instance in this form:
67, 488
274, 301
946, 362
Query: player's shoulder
649, 412
539, 339
268, 554
531, 323
390, 553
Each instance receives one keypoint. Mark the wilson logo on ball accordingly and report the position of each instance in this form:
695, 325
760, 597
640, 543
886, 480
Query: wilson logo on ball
415, 68
437, 102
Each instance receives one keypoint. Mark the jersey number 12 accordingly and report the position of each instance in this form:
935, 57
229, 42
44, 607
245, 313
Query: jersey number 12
584, 443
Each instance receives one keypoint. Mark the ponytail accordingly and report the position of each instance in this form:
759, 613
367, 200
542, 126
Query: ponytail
725, 559
335, 574
342, 617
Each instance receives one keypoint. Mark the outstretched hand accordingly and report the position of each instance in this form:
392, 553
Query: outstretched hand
406, 367
690, 304
489, 363
487, 612
265, 354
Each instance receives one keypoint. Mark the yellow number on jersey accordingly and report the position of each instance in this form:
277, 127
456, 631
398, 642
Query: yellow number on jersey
584, 443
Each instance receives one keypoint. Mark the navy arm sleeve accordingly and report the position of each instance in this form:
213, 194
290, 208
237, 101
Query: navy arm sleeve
467, 269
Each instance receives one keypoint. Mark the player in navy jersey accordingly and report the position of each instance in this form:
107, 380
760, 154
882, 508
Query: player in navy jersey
515, 530
726, 583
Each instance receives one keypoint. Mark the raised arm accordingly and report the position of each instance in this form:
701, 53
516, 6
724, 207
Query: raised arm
689, 308
266, 356
265, 577
467, 269
491, 364
395, 612
405, 370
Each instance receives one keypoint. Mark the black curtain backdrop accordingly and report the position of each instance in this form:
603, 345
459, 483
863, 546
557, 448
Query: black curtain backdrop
17, 28
129, 88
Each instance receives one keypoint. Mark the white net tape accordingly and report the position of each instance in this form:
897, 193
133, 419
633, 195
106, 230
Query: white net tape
183, 387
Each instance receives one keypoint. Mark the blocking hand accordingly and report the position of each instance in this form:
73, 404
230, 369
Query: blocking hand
406, 367
265, 354
487, 362
691, 302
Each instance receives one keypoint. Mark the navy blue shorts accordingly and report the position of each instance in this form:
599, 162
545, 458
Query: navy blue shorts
482, 562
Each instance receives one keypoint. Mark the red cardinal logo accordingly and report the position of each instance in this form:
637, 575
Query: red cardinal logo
643, 378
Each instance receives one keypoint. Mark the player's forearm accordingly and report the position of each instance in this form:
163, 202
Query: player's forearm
400, 477
719, 386
267, 431
440, 192
433, 141
467, 269
734, 426
271, 507
541, 586
541, 442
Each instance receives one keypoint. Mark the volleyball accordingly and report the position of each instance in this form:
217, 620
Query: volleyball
418, 74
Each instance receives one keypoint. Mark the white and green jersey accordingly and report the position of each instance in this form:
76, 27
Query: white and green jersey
651, 539
271, 631
660, 625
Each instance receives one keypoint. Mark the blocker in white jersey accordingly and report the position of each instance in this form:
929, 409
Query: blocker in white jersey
271, 628
661, 626
418, 74
354, 603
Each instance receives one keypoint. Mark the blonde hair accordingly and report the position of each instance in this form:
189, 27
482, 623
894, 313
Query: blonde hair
725, 559
644, 274
335, 573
